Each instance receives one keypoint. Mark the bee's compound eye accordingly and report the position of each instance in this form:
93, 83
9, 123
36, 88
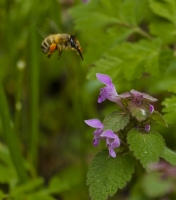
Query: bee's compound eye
72, 42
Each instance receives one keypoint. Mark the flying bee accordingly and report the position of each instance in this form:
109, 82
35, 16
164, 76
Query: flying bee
60, 42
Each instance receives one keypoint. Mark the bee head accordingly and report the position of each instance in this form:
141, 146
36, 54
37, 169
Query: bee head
75, 45
73, 41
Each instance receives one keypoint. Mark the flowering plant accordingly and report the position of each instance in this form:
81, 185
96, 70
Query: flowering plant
129, 137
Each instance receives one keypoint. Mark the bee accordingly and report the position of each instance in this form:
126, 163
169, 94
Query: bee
60, 42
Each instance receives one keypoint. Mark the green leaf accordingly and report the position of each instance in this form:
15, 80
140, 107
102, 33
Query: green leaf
164, 8
163, 29
115, 22
30, 186
166, 59
147, 147
157, 117
2, 195
106, 174
39, 197
116, 121
170, 109
33, 196
131, 60
105, 12
57, 185
141, 112
169, 156
7, 170
133, 11
172, 88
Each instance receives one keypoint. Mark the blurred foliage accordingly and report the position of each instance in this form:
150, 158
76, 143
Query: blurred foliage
133, 41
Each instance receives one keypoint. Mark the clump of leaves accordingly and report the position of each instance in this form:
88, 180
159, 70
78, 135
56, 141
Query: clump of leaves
129, 40
129, 138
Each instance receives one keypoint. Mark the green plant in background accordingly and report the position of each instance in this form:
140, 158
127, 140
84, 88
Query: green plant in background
37, 112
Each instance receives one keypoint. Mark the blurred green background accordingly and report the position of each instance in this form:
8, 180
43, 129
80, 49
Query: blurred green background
45, 146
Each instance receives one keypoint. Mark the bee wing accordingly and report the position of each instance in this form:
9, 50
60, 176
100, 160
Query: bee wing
53, 26
42, 33
52, 29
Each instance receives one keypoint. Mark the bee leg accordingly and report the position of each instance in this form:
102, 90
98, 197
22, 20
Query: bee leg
59, 55
73, 49
49, 55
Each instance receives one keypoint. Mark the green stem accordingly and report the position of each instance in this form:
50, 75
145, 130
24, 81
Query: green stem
137, 30
18, 105
34, 93
11, 137
143, 33
34, 86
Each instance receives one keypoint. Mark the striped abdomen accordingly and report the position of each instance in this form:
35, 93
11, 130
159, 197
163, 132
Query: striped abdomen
47, 43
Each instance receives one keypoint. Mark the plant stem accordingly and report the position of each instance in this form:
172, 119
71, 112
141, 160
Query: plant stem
34, 93
11, 137
143, 33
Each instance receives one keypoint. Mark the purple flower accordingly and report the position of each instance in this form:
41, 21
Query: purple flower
107, 92
112, 141
147, 127
140, 95
95, 123
151, 109
137, 97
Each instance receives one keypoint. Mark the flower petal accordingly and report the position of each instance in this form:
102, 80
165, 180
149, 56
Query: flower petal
110, 93
101, 96
115, 143
147, 127
145, 96
108, 134
95, 142
104, 79
112, 152
151, 109
95, 123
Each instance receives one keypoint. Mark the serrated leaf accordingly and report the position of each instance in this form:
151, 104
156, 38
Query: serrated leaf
166, 59
116, 121
164, 8
131, 60
106, 175
170, 110
157, 117
169, 156
115, 21
134, 11
141, 112
105, 12
163, 29
147, 147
